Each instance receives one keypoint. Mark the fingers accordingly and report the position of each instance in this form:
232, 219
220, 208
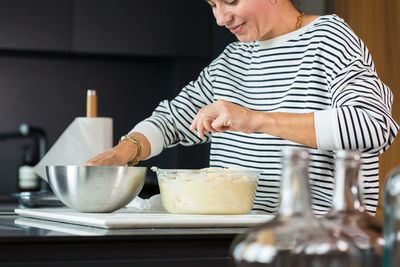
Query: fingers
200, 128
93, 161
89, 163
107, 158
204, 126
96, 161
193, 126
208, 126
215, 117
202, 123
220, 125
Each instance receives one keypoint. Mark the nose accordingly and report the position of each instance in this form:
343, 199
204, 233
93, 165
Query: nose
222, 16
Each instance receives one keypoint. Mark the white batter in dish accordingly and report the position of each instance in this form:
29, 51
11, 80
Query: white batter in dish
207, 191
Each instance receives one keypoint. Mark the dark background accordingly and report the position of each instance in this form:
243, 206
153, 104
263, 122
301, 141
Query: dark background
133, 53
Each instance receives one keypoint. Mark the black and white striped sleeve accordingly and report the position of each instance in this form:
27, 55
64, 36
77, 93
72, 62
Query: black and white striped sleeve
361, 111
170, 122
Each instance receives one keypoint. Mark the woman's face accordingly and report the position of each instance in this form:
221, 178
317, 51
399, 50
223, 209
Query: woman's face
249, 20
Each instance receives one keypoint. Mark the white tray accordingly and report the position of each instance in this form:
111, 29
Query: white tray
128, 218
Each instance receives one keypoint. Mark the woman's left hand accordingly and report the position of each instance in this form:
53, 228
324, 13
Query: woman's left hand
223, 116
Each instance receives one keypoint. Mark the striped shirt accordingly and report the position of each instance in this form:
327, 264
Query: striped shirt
322, 68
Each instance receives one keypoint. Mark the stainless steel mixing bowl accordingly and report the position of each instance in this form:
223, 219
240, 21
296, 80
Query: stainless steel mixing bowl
96, 188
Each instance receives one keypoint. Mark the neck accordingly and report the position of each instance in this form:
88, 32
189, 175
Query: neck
284, 22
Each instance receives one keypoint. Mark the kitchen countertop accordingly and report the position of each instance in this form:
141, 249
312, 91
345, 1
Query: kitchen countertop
34, 242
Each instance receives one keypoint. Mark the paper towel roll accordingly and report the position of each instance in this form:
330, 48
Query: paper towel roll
82, 140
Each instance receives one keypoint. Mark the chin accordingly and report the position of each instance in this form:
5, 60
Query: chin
245, 39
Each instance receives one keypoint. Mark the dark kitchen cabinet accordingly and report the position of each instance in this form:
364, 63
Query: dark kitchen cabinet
51, 51
137, 27
35, 25
173, 28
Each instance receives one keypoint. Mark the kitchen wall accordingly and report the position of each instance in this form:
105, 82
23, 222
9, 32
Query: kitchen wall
51, 53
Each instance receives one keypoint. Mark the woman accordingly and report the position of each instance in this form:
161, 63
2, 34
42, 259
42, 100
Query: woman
291, 80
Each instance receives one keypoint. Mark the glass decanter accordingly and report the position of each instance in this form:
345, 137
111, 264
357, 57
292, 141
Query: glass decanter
391, 227
348, 215
294, 237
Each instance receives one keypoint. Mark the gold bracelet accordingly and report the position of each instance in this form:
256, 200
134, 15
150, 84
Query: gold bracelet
139, 149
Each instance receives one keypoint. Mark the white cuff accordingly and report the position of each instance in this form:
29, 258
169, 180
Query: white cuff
327, 129
153, 135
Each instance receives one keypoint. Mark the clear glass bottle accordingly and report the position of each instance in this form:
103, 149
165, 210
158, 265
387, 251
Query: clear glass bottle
294, 237
348, 215
391, 227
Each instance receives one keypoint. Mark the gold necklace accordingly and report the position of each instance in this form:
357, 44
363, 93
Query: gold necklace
299, 20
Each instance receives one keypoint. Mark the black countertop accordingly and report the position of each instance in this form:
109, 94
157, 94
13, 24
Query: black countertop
34, 242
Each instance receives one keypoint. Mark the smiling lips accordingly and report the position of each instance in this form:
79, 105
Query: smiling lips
236, 29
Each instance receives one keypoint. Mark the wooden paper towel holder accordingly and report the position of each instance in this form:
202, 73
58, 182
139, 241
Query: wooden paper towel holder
91, 103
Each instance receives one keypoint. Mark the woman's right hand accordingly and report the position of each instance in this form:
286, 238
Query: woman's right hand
122, 153
116, 156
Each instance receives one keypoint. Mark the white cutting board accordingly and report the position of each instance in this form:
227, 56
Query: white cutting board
130, 218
